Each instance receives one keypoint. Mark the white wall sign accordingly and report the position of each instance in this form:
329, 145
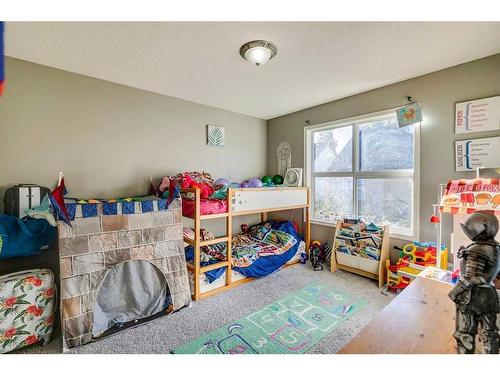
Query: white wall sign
477, 115
477, 153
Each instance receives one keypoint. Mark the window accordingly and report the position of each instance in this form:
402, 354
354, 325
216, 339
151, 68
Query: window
364, 167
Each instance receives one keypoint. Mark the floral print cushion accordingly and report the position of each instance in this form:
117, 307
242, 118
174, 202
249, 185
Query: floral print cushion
27, 301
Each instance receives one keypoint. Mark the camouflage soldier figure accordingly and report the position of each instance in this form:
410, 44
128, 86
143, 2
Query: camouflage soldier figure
474, 295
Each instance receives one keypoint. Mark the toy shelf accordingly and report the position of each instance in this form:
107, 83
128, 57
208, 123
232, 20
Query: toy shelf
373, 269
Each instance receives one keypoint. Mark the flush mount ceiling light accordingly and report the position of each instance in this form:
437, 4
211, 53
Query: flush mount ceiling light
258, 52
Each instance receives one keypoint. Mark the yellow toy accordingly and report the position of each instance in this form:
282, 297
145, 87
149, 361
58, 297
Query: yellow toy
413, 258
423, 254
401, 275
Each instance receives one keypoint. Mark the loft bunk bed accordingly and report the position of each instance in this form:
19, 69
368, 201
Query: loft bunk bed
239, 202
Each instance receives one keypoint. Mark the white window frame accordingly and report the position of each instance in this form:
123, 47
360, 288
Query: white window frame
355, 173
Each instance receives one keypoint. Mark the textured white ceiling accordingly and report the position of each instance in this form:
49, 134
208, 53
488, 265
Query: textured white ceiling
199, 61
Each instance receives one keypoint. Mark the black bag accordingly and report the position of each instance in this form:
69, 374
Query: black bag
21, 197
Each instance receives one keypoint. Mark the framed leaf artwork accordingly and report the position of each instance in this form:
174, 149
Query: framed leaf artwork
215, 135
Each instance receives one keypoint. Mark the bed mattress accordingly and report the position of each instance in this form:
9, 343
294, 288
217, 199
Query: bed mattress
207, 207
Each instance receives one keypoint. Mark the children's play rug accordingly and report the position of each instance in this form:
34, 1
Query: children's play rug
290, 325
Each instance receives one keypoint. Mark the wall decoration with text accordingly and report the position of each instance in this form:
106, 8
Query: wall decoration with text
477, 115
477, 153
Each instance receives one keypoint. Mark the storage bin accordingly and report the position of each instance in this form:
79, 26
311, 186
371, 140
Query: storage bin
369, 265
348, 260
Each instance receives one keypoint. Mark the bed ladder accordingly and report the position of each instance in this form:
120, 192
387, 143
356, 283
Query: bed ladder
227, 238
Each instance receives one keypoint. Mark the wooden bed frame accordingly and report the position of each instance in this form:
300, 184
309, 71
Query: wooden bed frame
242, 201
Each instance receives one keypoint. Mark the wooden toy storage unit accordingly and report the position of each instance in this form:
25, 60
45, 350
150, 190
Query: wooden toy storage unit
373, 269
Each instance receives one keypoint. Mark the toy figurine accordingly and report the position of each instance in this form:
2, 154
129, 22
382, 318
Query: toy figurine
474, 295
315, 255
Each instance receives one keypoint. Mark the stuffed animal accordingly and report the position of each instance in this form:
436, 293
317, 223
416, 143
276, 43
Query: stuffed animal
163, 186
188, 182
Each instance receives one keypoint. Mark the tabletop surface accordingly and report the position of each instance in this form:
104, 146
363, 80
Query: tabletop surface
419, 320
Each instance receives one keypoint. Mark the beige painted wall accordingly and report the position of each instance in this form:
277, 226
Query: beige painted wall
438, 92
108, 138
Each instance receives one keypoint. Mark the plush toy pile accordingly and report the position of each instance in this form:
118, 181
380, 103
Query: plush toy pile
208, 187
195, 180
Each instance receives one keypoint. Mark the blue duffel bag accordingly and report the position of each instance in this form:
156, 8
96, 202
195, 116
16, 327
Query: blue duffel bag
24, 237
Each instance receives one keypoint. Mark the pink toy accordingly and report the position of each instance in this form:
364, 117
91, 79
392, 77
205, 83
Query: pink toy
164, 184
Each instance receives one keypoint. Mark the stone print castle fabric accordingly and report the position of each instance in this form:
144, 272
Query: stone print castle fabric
94, 244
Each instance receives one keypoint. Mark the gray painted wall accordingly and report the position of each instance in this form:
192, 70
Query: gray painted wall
438, 92
108, 139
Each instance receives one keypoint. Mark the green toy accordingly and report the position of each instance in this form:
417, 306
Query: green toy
278, 180
267, 179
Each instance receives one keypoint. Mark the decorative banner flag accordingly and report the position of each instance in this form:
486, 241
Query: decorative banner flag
173, 192
2, 61
57, 201
409, 114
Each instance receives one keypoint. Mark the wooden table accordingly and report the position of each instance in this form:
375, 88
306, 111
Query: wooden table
419, 320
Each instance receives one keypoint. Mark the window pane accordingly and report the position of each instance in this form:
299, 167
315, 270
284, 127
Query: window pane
387, 201
332, 150
385, 146
333, 197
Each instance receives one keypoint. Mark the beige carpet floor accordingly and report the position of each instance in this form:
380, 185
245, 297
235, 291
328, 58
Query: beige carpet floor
164, 334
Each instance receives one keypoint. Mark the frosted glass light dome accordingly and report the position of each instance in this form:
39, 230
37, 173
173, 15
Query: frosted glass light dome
258, 52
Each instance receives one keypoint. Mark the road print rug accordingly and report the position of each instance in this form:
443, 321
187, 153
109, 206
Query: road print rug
291, 325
